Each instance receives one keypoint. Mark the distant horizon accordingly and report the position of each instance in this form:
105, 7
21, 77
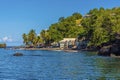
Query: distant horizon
20, 16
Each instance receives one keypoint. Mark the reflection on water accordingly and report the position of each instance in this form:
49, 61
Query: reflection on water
57, 65
109, 68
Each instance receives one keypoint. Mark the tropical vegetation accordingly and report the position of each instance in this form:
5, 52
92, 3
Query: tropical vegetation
97, 26
2, 45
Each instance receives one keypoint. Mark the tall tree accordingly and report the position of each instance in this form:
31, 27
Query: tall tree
45, 36
25, 39
32, 36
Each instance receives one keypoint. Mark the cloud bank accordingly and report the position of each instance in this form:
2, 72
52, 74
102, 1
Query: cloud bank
6, 39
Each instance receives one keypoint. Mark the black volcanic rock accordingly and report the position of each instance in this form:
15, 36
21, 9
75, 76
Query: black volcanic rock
115, 49
18, 54
112, 47
104, 51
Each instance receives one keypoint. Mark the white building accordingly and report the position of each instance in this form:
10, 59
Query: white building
67, 43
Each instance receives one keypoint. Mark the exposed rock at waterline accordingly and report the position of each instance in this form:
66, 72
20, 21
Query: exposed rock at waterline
18, 54
112, 47
104, 51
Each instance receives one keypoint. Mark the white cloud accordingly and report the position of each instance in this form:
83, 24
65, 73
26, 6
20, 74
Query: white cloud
0, 40
7, 39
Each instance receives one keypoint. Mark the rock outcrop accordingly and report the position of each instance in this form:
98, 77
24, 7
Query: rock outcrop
112, 47
18, 54
104, 51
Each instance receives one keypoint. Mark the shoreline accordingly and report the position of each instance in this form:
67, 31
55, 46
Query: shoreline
55, 49
59, 49
51, 49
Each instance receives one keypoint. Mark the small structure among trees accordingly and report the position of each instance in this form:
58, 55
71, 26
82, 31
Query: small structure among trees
97, 27
67, 43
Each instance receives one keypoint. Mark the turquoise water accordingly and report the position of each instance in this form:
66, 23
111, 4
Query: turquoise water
57, 65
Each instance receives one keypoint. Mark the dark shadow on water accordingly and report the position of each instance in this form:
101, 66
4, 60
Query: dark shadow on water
35, 55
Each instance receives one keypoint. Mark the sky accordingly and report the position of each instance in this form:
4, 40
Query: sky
20, 16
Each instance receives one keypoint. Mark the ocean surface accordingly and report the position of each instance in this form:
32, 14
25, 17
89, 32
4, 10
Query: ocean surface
57, 65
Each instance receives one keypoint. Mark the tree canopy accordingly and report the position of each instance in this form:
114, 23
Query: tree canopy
98, 26
101, 25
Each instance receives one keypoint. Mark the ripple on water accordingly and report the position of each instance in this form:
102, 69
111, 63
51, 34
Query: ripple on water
57, 65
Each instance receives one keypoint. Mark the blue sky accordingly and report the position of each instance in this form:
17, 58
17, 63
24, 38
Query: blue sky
20, 16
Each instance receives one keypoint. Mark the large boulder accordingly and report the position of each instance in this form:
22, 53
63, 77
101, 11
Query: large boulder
111, 48
18, 54
115, 49
104, 51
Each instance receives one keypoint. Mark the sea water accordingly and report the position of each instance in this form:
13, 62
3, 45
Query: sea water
57, 65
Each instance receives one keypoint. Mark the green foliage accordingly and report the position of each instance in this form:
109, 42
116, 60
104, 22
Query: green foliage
99, 36
31, 39
101, 25
45, 35
66, 27
2, 45
98, 26
25, 39
32, 36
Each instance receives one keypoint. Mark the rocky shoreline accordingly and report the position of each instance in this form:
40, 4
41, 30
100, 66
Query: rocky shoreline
50, 49
110, 48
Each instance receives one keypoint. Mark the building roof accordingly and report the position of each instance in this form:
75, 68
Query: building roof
68, 39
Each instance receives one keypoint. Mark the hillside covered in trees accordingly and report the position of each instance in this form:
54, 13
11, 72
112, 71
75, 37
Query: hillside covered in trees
2, 45
98, 26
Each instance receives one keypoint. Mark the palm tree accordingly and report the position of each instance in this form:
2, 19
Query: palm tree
31, 37
46, 36
39, 40
25, 39
42, 34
